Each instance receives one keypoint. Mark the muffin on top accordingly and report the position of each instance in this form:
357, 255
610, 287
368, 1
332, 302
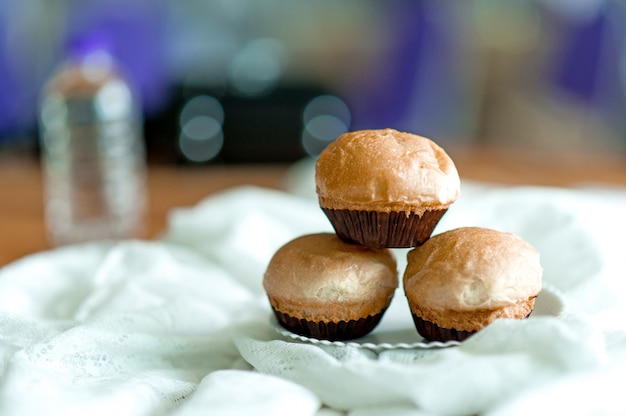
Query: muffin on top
385, 188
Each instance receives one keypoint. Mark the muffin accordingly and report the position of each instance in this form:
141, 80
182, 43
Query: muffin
385, 188
460, 281
322, 287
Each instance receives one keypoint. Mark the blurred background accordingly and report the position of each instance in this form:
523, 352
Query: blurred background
271, 81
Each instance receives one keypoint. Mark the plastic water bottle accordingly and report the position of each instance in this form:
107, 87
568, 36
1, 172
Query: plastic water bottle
93, 157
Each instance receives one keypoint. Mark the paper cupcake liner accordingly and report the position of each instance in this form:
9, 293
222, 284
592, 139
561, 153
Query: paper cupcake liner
433, 332
332, 331
384, 229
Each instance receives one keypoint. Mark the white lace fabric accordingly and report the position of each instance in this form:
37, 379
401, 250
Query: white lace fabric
181, 326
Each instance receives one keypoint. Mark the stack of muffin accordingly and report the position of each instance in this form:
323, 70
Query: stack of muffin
384, 189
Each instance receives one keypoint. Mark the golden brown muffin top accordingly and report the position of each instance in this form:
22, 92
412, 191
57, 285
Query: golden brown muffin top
472, 268
322, 277
385, 170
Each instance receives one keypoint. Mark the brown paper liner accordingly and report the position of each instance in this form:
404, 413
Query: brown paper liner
332, 331
433, 332
384, 229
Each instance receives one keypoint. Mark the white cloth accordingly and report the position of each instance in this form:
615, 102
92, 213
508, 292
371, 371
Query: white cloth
180, 326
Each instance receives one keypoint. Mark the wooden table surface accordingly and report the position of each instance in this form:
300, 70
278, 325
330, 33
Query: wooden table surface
22, 229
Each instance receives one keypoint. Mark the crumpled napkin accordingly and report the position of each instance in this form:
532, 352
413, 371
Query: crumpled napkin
181, 326
505, 359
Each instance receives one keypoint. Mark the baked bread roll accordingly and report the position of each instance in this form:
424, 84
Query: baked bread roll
385, 188
460, 281
322, 287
